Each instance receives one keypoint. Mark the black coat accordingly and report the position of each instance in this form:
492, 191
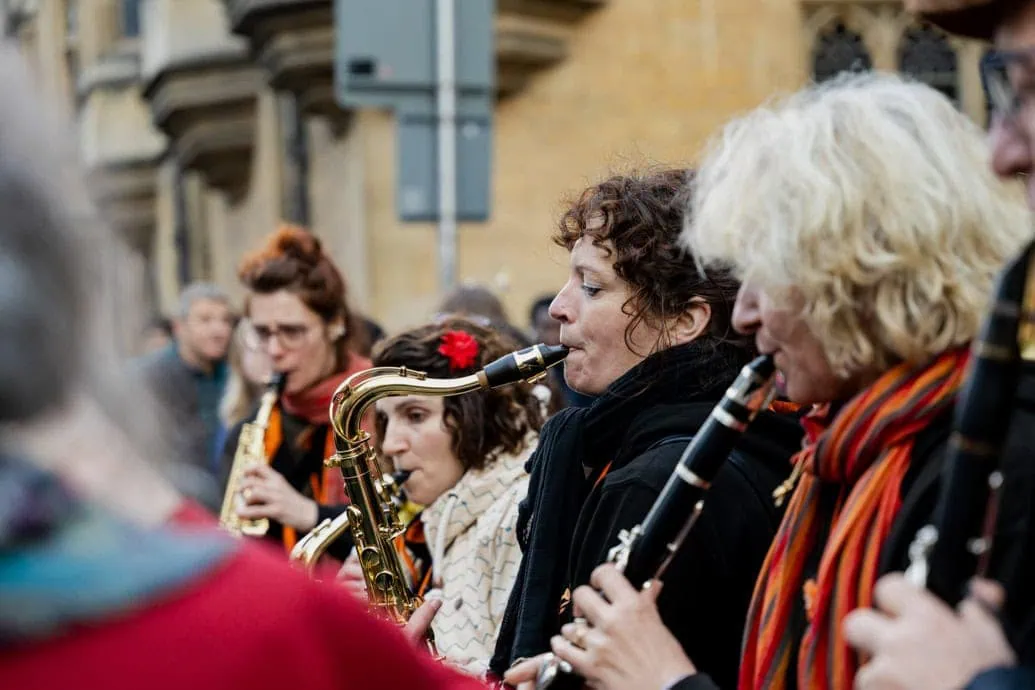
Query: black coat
299, 457
1022, 678
570, 521
919, 493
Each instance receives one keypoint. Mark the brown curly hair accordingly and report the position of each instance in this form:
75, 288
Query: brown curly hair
483, 424
292, 259
641, 215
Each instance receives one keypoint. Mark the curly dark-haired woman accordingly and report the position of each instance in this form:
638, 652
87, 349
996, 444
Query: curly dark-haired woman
650, 335
466, 456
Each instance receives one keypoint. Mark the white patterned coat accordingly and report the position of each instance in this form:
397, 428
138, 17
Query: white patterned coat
471, 532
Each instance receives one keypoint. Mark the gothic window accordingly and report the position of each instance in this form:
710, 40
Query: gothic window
72, 19
131, 18
839, 49
926, 55
984, 89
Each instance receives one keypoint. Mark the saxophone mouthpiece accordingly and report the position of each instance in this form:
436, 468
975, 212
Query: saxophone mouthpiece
527, 365
401, 476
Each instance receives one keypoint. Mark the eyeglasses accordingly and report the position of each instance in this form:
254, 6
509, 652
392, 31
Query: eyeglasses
1003, 97
290, 336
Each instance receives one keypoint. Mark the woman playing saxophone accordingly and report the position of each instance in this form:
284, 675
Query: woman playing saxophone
464, 459
297, 312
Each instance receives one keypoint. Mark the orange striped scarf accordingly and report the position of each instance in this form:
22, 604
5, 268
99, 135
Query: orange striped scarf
866, 451
326, 485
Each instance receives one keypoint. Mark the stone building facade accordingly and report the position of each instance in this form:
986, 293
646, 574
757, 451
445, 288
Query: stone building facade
206, 122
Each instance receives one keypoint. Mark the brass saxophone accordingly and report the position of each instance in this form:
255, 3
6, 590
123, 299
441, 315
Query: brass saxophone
251, 449
310, 548
372, 516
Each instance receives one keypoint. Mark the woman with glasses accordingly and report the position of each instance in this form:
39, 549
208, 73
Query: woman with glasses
297, 310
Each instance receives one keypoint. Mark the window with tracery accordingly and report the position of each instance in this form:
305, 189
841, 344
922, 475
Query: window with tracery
839, 49
925, 54
989, 110
72, 19
130, 18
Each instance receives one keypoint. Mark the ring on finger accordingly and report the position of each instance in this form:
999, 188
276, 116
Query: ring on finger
580, 632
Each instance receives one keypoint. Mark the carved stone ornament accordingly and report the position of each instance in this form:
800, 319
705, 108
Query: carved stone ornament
293, 42
208, 110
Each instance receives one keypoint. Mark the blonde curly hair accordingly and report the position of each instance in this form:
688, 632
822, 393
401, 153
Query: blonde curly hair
870, 199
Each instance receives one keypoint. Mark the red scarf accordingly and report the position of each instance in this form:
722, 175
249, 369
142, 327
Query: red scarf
866, 451
313, 405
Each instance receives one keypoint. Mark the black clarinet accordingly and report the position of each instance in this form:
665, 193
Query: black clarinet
645, 551
946, 553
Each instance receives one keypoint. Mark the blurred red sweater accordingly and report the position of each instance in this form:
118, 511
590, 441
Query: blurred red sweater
248, 622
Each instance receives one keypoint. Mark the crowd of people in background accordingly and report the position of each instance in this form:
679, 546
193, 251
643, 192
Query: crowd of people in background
209, 368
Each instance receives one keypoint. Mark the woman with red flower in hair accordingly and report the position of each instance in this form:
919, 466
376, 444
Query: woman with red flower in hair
466, 461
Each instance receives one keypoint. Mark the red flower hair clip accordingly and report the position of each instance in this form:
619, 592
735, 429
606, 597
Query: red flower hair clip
460, 348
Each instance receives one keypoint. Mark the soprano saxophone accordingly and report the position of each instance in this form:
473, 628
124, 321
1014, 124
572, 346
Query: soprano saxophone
251, 449
371, 516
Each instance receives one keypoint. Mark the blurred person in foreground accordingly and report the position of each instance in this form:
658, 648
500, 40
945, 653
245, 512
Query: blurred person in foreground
94, 592
867, 287
298, 315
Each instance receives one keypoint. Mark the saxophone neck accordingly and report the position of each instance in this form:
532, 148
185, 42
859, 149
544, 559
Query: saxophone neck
359, 391
269, 399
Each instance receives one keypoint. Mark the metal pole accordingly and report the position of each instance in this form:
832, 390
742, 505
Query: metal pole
447, 224
295, 193
182, 231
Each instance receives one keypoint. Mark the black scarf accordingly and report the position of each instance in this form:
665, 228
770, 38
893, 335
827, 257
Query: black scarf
577, 439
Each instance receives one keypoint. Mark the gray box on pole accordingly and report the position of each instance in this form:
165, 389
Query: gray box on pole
385, 58
417, 188
386, 51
